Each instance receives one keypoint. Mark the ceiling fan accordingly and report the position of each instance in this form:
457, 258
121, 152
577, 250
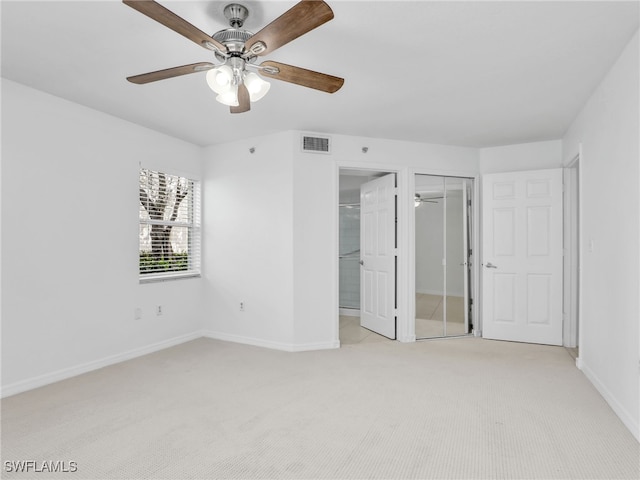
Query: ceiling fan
235, 80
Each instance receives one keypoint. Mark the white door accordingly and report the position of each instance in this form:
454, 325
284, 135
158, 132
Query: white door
522, 256
377, 255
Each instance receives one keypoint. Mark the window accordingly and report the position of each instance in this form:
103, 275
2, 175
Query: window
169, 226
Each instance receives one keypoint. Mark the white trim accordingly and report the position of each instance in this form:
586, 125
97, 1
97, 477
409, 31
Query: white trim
476, 226
619, 410
405, 330
349, 312
166, 276
577, 160
63, 374
259, 342
571, 260
580, 244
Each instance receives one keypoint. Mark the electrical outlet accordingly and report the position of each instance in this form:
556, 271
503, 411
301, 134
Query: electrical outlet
137, 313
242, 306
159, 310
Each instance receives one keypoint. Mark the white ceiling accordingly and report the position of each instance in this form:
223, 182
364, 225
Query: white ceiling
461, 73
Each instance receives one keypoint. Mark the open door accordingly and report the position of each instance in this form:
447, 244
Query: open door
378, 255
522, 256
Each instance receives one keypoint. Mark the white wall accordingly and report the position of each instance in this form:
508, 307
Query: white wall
608, 130
248, 234
525, 156
69, 246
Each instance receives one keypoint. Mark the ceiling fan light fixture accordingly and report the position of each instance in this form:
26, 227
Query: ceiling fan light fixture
257, 87
230, 97
220, 79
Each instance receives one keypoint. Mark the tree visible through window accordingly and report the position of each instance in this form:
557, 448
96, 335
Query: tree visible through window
169, 225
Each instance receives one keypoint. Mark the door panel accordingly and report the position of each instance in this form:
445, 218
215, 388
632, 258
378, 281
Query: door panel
377, 271
538, 299
522, 255
505, 305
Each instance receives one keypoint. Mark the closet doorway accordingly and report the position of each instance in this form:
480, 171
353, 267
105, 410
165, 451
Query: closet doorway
367, 276
443, 255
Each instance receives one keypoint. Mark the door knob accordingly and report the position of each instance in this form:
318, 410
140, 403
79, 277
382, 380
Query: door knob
361, 262
490, 265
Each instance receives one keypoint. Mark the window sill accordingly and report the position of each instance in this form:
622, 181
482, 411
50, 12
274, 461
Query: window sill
150, 278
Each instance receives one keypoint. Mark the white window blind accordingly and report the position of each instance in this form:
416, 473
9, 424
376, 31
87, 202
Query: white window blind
169, 226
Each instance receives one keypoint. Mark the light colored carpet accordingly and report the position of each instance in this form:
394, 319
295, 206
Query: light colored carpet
430, 314
460, 408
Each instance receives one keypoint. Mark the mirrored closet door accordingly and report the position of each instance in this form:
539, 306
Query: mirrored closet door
442, 239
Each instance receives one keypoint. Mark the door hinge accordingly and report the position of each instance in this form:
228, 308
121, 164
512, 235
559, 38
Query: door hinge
395, 252
395, 312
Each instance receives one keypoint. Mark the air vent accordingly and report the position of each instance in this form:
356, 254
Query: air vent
316, 144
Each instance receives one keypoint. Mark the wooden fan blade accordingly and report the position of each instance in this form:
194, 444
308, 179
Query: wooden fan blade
243, 100
170, 73
300, 19
301, 76
169, 19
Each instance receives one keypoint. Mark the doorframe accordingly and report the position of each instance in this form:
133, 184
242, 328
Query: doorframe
401, 269
573, 252
474, 245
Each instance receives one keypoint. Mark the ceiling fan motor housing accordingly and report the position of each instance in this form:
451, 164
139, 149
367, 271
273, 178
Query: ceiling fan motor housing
232, 38
235, 37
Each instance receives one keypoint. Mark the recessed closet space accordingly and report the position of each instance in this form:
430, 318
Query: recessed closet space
349, 243
443, 232
350, 258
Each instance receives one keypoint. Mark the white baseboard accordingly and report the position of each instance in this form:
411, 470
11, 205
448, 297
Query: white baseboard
619, 410
258, 342
46, 379
349, 312
407, 339
58, 375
